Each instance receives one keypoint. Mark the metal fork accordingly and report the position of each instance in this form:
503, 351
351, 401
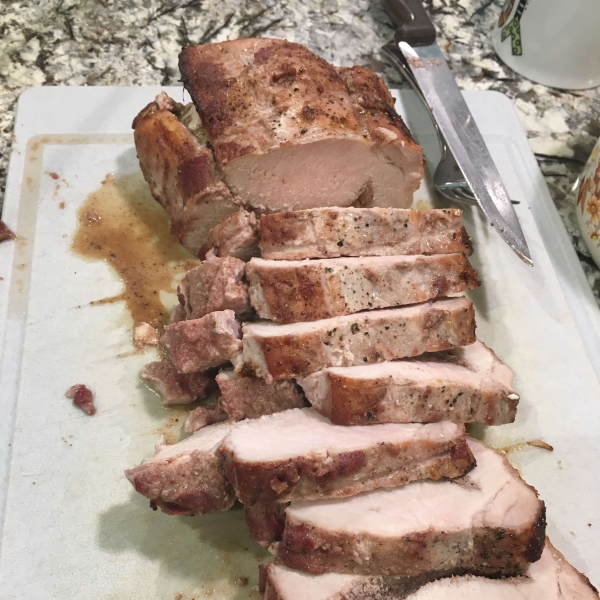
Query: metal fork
448, 178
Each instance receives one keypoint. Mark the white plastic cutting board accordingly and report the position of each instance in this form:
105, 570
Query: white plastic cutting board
71, 525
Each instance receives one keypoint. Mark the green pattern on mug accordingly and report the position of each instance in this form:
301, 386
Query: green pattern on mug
513, 28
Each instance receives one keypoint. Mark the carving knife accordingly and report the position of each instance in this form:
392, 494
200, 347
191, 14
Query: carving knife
416, 45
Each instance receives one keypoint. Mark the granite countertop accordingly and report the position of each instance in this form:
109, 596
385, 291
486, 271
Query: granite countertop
132, 42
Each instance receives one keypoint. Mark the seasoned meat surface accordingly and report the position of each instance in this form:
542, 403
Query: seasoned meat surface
215, 284
467, 384
550, 578
236, 235
290, 131
489, 521
298, 454
174, 387
181, 171
298, 349
333, 232
291, 291
202, 416
199, 344
186, 478
252, 397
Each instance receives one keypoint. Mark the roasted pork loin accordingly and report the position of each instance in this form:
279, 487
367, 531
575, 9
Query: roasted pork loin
180, 168
290, 131
550, 578
174, 387
292, 291
298, 349
215, 284
199, 344
334, 232
251, 397
186, 478
488, 522
298, 454
467, 385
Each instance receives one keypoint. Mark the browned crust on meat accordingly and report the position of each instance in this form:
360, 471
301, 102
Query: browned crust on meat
309, 292
365, 402
482, 550
375, 102
265, 521
347, 473
227, 81
290, 356
317, 233
251, 397
182, 174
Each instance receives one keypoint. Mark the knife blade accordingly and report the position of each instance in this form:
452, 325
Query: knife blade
415, 38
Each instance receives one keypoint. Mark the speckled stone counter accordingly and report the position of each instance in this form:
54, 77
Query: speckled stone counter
131, 42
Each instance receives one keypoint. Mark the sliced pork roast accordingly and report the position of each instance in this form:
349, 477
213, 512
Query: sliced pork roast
466, 385
290, 131
174, 387
186, 478
487, 522
334, 232
291, 291
199, 344
215, 284
202, 416
298, 349
550, 578
236, 235
298, 454
251, 397
180, 168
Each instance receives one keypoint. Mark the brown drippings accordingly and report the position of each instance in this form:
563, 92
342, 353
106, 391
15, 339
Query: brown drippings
123, 225
535, 443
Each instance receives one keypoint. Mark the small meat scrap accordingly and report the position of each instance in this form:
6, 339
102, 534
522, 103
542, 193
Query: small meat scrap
216, 284
145, 335
178, 314
6, 233
252, 397
177, 388
202, 416
236, 235
199, 344
82, 397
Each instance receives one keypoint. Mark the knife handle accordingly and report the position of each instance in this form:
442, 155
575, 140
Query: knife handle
414, 24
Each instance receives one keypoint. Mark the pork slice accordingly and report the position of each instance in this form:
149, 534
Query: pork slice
467, 385
174, 387
333, 232
236, 235
550, 578
251, 397
291, 291
298, 349
199, 344
186, 478
289, 132
265, 521
215, 284
490, 521
180, 168
298, 454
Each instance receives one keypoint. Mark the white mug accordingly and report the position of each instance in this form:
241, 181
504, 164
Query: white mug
553, 42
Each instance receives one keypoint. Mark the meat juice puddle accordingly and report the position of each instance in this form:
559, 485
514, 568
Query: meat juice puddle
121, 224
